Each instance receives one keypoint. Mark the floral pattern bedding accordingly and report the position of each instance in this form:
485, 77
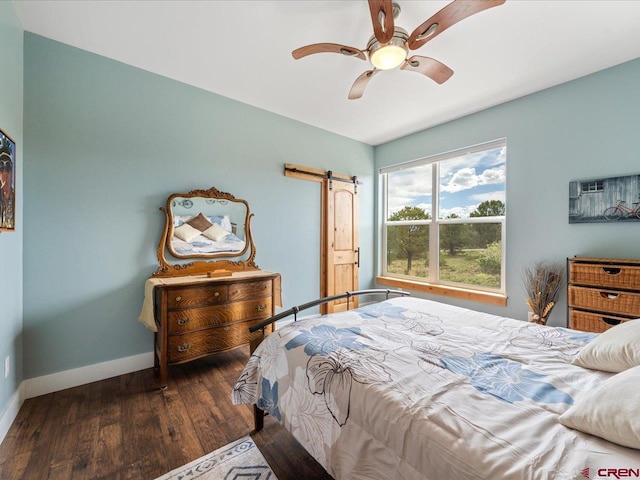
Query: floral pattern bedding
414, 389
201, 244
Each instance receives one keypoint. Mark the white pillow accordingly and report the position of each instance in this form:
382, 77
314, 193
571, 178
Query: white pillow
186, 232
614, 350
609, 411
223, 220
215, 232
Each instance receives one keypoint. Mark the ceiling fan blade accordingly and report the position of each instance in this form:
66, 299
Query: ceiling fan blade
328, 48
448, 16
435, 70
382, 19
357, 89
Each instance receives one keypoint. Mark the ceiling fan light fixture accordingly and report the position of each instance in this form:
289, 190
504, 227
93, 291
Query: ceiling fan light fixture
389, 55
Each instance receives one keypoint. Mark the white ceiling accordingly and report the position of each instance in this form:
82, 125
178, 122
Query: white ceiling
242, 50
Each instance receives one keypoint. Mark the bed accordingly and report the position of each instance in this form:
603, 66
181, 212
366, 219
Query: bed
202, 244
415, 389
193, 241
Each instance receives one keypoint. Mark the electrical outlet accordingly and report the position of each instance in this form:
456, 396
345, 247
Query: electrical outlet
7, 363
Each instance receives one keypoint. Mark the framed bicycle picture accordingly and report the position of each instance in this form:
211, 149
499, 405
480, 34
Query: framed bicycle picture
7, 182
613, 199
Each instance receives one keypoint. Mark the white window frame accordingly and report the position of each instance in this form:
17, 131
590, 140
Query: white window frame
593, 186
434, 223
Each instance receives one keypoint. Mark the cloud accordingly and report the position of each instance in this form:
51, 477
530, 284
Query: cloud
413, 185
462, 212
491, 176
483, 197
397, 204
466, 178
463, 179
406, 187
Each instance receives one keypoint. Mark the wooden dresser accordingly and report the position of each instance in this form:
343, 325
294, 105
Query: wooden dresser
199, 316
602, 292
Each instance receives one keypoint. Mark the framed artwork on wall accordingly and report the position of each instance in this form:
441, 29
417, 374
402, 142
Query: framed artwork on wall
599, 200
7, 183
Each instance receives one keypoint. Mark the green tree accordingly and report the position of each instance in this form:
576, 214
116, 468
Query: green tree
408, 241
488, 233
490, 259
489, 208
455, 236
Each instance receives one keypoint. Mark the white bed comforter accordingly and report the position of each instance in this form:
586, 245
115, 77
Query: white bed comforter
414, 389
202, 244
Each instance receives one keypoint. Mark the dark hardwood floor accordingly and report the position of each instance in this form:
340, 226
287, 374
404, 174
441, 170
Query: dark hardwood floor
126, 428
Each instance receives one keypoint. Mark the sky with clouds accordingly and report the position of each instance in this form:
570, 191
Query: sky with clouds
465, 182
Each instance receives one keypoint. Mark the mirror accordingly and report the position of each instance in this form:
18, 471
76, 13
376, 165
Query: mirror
206, 224
194, 234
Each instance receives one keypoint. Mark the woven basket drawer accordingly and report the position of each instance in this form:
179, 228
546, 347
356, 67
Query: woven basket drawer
613, 276
592, 322
624, 303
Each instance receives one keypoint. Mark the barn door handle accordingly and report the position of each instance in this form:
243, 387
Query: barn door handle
357, 257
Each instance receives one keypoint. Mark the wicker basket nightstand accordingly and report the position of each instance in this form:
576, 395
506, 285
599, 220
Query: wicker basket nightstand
602, 292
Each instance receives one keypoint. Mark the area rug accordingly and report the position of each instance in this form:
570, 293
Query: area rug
238, 460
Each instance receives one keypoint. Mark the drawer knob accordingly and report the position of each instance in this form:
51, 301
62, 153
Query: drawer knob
178, 298
216, 294
261, 307
184, 347
183, 321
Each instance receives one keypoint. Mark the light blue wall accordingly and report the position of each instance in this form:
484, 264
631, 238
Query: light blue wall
587, 128
107, 144
11, 93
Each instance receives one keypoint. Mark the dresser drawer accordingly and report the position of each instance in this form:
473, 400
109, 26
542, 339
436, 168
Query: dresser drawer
194, 296
216, 315
604, 275
598, 299
593, 322
243, 291
196, 344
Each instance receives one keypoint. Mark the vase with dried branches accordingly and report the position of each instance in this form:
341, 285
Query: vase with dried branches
542, 282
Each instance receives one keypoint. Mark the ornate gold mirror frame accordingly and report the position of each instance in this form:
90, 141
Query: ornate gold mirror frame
199, 218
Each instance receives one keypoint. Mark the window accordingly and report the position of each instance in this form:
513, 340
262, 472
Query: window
595, 186
444, 220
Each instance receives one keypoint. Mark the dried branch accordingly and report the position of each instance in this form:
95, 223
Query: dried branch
542, 283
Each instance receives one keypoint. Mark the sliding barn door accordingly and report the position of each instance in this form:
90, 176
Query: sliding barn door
341, 247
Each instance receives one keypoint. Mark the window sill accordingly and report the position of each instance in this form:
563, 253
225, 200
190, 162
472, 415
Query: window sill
446, 290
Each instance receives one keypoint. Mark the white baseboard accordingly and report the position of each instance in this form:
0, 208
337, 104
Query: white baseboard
34, 387
12, 412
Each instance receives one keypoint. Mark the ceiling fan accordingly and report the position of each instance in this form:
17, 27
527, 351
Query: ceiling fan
389, 45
